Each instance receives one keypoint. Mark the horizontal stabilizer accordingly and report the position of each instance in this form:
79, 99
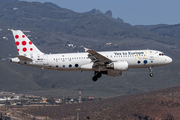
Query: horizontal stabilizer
23, 58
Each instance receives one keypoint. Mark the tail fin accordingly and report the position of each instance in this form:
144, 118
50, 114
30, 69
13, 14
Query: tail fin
24, 45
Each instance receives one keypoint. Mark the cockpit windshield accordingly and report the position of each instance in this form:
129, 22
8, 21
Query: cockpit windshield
161, 54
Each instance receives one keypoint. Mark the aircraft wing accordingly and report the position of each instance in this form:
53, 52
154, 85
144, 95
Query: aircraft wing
97, 57
21, 57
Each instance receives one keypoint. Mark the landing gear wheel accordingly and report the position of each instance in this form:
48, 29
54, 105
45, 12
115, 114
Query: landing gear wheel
99, 75
150, 70
94, 78
96, 75
151, 74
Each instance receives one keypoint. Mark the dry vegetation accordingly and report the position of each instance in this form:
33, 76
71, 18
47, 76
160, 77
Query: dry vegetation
51, 35
156, 105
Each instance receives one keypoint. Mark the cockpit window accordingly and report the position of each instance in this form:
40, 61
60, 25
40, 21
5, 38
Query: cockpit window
161, 54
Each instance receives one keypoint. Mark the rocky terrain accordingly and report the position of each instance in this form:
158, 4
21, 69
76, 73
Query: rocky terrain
52, 28
155, 105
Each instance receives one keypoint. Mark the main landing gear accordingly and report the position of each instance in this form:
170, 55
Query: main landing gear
96, 75
150, 70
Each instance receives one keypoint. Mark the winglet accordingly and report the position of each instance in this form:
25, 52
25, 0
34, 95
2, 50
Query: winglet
86, 49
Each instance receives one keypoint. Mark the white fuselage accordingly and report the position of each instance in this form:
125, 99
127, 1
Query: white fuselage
111, 63
81, 61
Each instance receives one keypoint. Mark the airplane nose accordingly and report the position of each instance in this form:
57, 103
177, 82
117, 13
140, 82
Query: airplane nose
169, 60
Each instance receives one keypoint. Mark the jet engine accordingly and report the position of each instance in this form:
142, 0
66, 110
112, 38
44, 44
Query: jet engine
119, 66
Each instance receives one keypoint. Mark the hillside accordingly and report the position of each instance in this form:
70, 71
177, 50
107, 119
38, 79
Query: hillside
52, 28
23, 15
156, 105
162, 29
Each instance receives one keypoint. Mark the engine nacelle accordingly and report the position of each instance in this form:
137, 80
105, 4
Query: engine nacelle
119, 65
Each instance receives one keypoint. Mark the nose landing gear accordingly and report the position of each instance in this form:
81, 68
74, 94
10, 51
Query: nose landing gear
151, 74
150, 70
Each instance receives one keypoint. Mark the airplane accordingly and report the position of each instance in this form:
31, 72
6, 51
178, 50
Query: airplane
111, 63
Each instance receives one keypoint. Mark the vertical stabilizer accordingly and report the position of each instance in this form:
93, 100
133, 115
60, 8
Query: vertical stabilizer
24, 45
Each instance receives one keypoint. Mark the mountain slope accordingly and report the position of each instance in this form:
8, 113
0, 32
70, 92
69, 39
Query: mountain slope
163, 30
160, 104
52, 28
24, 15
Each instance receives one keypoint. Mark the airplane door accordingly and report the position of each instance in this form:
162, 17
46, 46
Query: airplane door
151, 57
45, 60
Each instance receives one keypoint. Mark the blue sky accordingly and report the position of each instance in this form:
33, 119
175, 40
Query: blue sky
135, 12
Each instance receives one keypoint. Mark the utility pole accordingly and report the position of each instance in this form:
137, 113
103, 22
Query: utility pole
77, 116
1, 116
79, 100
78, 110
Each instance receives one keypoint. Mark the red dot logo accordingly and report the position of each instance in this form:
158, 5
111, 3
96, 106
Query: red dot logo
24, 49
16, 36
30, 43
31, 49
17, 43
24, 43
18, 49
23, 36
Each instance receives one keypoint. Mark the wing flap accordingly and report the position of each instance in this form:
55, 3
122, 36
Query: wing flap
97, 57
